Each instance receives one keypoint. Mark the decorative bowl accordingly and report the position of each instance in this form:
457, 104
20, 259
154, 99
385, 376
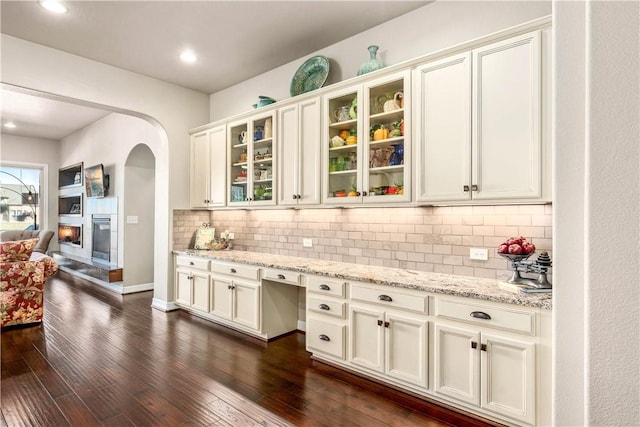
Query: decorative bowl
311, 75
516, 257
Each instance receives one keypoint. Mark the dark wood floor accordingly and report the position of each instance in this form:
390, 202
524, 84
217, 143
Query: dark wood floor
100, 359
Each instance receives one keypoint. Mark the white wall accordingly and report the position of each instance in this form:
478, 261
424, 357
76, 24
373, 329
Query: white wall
108, 141
431, 28
42, 152
172, 109
596, 214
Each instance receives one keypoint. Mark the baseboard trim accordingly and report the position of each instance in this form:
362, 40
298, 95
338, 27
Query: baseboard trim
165, 306
137, 288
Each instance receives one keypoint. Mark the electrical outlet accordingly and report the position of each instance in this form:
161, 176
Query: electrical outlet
481, 254
232, 236
307, 243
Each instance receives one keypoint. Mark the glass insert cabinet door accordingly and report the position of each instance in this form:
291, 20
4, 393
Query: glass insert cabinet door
366, 140
252, 161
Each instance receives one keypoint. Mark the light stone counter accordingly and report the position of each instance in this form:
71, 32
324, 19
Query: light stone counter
448, 284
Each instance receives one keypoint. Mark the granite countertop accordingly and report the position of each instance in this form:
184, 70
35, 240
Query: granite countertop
448, 284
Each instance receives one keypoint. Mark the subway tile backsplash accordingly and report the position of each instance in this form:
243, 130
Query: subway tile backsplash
434, 239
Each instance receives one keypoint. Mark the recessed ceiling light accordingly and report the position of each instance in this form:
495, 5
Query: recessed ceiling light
53, 6
10, 125
188, 56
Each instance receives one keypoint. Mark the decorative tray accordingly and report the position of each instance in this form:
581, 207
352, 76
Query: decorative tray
311, 75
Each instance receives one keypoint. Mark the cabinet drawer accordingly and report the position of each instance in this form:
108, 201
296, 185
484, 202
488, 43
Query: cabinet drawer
236, 270
326, 337
192, 262
282, 276
322, 285
390, 298
326, 306
494, 317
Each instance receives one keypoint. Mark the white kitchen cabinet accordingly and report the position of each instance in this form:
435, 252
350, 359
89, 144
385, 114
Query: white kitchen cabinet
368, 170
483, 367
506, 122
183, 287
299, 153
326, 317
251, 160
192, 283
443, 129
237, 301
208, 166
389, 342
236, 294
478, 124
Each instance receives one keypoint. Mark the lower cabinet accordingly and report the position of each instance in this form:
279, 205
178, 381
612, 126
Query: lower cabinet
490, 371
237, 301
392, 343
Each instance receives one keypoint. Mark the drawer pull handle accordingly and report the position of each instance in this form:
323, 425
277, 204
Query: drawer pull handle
323, 337
281, 276
191, 263
233, 270
324, 287
480, 315
324, 307
386, 298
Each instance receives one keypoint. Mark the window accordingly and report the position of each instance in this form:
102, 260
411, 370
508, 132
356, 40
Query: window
20, 197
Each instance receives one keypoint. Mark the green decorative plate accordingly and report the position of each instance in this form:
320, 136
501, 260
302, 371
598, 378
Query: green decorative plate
310, 76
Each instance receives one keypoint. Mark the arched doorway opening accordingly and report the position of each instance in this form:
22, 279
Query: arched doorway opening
139, 202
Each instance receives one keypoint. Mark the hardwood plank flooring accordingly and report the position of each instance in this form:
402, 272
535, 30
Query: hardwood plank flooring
100, 359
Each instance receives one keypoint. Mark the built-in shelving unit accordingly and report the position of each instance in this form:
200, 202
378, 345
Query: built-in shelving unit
70, 205
70, 176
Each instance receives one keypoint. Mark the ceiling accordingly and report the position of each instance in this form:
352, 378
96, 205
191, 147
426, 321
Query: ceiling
234, 41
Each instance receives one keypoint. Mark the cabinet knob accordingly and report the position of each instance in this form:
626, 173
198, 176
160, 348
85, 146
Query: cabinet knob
386, 324
323, 337
386, 298
191, 263
324, 307
229, 287
299, 196
474, 187
483, 347
380, 322
357, 193
474, 344
232, 270
465, 188
364, 193
324, 287
480, 315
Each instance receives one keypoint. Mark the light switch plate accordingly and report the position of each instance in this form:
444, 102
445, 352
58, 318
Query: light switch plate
232, 236
480, 254
307, 243
132, 219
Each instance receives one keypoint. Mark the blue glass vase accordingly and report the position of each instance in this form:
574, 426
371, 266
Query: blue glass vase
397, 157
372, 64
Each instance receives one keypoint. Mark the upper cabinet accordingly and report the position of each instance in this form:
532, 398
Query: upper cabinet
299, 153
365, 140
471, 126
208, 166
478, 127
251, 160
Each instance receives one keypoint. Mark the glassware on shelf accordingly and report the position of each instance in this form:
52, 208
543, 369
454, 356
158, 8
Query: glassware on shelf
332, 164
397, 156
340, 164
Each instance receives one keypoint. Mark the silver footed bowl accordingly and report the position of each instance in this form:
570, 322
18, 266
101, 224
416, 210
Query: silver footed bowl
516, 257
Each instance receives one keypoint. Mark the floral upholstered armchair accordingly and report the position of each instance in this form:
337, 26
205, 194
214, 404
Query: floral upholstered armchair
22, 277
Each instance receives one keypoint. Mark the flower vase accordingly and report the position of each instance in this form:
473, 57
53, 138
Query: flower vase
372, 64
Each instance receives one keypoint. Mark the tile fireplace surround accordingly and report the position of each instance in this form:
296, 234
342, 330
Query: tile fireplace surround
434, 239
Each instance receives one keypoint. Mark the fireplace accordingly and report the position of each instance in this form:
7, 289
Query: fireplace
70, 234
101, 237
